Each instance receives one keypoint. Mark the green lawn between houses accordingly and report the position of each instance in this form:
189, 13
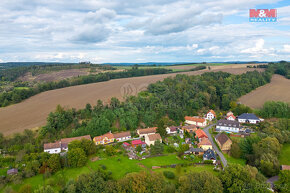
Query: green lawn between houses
118, 165
284, 157
232, 160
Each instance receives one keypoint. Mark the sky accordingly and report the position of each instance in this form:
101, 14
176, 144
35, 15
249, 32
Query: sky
139, 31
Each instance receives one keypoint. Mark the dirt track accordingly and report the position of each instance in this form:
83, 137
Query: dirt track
33, 112
277, 90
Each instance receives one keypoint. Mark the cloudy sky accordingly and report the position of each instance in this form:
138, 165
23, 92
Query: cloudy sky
141, 31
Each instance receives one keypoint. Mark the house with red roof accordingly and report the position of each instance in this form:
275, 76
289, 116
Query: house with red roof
231, 117
200, 134
138, 142
198, 121
210, 115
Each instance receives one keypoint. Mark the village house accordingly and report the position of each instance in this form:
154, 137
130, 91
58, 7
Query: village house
104, 139
147, 131
200, 134
205, 144
209, 155
198, 121
126, 145
62, 145
224, 125
122, 136
172, 130
151, 139
138, 142
189, 128
195, 151
231, 117
210, 115
230, 113
248, 118
224, 142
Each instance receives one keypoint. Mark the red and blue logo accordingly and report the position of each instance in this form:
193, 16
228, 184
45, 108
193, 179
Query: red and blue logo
263, 15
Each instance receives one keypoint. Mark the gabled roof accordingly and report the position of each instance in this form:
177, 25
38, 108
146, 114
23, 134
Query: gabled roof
211, 111
205, 141
209, 154
248, 116
228, 123
147, 130
200, 134
126, 144
196, 149
222, 138
52, 145
138, 142
233, 116
173, 128
122, 134
154, 137
189, 127
109, 135
196, 119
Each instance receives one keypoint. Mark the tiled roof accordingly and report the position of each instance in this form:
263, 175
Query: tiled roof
122, 134
52, 145
196, 119
222, 138
228, 123
196, 149
137, 142
200, 133
209, 154
248, 116
189, 127
147, 130
109, 135
154, 137
205, 141
211, 111
126, 144
231, 116
173, 128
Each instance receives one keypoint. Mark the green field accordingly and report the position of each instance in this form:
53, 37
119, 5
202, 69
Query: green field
118, 165
284, 157
232, 160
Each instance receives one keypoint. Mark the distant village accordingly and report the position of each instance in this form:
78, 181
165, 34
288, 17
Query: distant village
191, 132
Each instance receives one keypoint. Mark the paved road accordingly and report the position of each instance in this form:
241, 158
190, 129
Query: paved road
222, 157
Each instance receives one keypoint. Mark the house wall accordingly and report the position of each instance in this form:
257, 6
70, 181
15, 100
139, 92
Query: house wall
252, 121
231, 118
230, 129
205, 147
144, 135
210, 116
53, 151
226, 146
123, 138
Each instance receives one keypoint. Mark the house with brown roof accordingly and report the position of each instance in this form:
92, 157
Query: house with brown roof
62, 145
210, 115
172, 130
104, 139
205, 144
122, 136
224, 142
151, 139
189, 128
147, 131
198, 121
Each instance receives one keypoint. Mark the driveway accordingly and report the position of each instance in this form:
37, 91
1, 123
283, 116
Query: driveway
222, 157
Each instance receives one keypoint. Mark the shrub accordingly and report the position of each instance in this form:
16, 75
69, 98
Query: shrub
208, 162
169, 174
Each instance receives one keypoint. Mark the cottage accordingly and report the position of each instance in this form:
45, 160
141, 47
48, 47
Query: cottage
138, 142
172, 130
210, 115
62, 145
196, 151
151, 139
189, 128
205, 144
147, 131
200, 134
248, 118
230, 113
198, 121
231, 117
123, 136
126, 145
224, 142
12, 171
104, 139
227, 126
209, 155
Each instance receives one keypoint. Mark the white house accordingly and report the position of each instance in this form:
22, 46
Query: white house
210, 115
200, 122
227, 126
231, 117
151, 139
123, 136
248, 118
172, 130
147, 131
52, 148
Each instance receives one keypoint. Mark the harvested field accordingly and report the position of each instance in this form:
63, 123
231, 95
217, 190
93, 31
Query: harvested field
277, 90
33, 112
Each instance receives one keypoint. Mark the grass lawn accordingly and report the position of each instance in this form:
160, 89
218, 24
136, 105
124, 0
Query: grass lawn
162, 160
232, 160
3, 172
21, 88
284, 157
